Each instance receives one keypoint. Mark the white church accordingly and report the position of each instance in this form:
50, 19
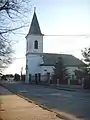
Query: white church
39, 62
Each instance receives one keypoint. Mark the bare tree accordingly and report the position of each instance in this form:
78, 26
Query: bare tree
13, 14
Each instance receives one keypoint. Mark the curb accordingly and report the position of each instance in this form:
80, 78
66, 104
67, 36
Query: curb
59, 114
65, 89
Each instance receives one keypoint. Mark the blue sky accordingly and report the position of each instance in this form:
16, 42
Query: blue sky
56, 17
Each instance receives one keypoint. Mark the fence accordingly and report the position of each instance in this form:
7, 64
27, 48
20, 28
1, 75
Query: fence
47, 79
39, 79
44, 79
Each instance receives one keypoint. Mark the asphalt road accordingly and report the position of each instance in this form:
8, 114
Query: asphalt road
76, 103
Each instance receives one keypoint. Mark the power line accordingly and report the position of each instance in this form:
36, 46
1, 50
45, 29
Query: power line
67, 35
18, 58
82, 35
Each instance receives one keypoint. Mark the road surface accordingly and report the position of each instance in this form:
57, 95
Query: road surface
76, 103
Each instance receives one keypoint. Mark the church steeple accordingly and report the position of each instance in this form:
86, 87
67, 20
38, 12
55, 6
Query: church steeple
34, 28
34, 43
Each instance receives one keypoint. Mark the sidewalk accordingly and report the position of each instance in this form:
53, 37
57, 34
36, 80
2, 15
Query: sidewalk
12, 107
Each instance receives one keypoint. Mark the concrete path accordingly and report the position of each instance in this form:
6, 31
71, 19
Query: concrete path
16, 108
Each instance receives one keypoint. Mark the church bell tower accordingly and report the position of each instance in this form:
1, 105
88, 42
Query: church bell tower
34, 46
34, 43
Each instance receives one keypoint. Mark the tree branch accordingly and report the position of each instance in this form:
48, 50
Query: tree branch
10, 30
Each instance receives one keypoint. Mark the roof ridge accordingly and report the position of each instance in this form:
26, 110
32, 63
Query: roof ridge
58, 54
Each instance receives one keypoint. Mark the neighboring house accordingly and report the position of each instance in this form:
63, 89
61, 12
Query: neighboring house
39, 62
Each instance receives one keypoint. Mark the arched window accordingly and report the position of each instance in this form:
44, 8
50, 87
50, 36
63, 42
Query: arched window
36, 44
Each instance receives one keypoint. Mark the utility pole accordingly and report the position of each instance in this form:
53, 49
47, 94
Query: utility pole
21, 72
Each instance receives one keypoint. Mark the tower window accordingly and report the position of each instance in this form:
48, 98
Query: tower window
36, 44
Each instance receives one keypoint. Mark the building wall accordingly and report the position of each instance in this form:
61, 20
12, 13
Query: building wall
50, 69
46, 69
71, 70
30, 44
33, 62
71, 73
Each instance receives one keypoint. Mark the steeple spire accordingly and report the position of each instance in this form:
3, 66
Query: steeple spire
34, 28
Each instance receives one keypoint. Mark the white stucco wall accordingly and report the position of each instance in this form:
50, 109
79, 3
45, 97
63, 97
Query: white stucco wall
31, 39
46, 69
33, 62
71, 70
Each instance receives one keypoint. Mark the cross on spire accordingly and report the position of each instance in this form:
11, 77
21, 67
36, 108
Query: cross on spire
34, 9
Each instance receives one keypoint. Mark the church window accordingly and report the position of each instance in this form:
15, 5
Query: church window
36, 44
